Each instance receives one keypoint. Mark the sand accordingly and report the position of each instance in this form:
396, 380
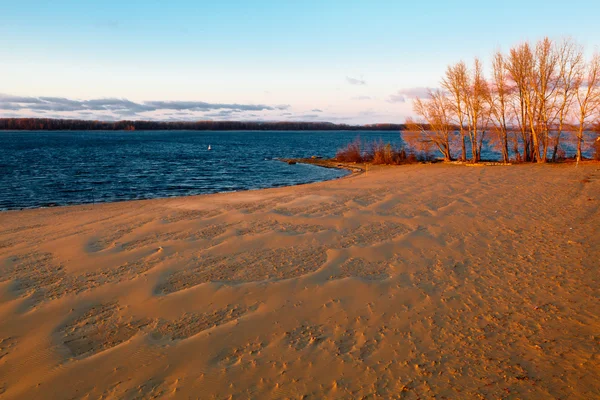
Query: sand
414, 281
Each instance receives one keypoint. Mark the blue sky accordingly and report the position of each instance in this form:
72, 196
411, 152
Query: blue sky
339, 61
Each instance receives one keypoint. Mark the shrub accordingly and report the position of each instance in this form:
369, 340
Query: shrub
411, 158
351, 153
380, 153
387, 154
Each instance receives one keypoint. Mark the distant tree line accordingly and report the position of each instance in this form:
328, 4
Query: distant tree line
37, 124
537, 96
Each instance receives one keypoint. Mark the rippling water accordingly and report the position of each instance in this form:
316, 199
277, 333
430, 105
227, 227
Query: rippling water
39, 169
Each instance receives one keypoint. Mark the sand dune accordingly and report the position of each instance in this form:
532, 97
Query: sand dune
412, 282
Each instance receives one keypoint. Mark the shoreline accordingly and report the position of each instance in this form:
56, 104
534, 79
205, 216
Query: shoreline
354, 168
353, 171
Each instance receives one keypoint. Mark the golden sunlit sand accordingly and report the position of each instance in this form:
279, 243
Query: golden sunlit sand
412, 282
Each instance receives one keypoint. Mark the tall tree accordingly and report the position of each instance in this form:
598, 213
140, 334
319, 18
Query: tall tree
587, 95
477, 109
456, 83
570, 64
544, 82
520, 69
499, 102
436, 124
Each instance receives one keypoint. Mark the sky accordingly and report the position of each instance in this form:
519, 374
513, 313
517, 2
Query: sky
356, 62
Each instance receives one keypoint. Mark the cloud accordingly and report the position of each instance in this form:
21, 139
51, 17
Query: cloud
202, 106
355, 81
415, 92
305, 117
411, 93
122, 107
317, 110
360, 98
397, 98
221, 113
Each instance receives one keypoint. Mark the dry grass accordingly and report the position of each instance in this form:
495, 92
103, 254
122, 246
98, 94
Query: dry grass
380, 153
351, 153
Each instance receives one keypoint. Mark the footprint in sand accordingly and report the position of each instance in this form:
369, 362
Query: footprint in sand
100, 328
269, 264
305, 336
191, 324
357, 267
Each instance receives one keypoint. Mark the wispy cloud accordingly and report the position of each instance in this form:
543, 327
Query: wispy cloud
304, 117
202, 106
397, 98
221, 114
355, 81
122, 107
402, 95
362, 98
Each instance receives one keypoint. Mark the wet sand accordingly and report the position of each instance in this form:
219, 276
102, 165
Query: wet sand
414, 281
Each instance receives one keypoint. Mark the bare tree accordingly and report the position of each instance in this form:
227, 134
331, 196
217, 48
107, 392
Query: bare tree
587, 95
456, 83
436, 126
477, 108
570, 64
534, 88
520, 69
544, 83
535, 77
499, 98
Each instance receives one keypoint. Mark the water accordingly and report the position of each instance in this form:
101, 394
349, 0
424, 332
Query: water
39, 169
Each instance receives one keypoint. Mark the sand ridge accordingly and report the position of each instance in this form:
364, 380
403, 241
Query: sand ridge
412, 282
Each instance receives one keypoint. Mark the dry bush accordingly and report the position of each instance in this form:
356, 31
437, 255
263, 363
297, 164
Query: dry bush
351, 153
386, 154
377, 152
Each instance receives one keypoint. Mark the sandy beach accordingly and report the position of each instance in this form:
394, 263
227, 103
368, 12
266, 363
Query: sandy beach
416, 281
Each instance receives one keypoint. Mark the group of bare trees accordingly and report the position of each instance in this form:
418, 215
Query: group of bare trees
535, 96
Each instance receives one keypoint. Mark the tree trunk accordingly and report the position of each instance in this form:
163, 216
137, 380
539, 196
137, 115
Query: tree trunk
545, 143
536, 148
526, 148
505, 148
447, 155
579, 143
480, 146
515, 145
